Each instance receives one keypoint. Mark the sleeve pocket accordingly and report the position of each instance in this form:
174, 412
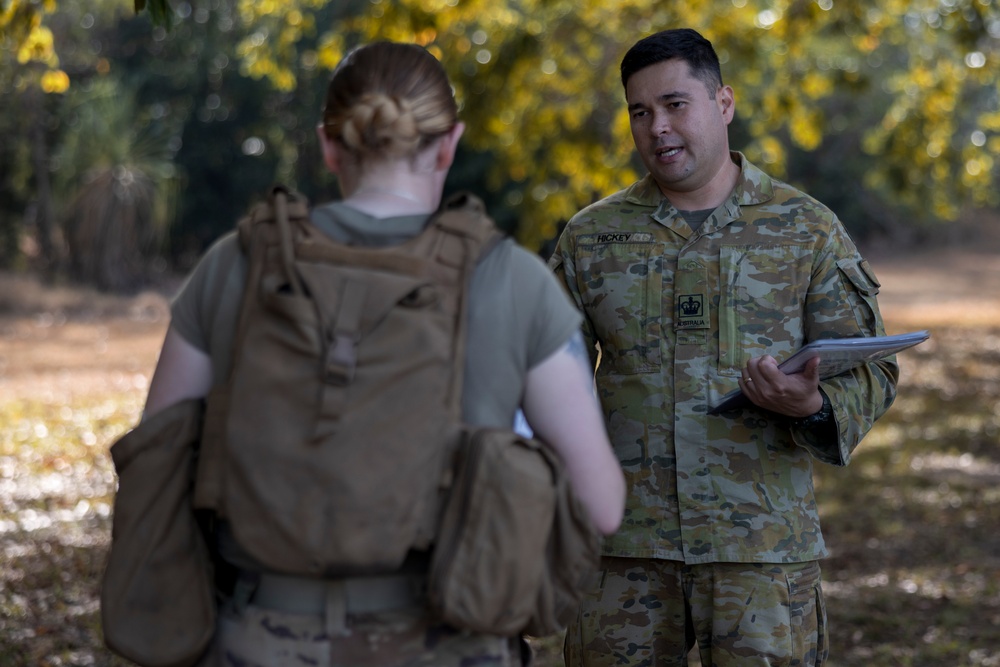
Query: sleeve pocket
861, 275
861, 286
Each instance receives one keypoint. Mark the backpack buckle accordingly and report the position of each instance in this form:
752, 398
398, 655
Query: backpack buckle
342, 358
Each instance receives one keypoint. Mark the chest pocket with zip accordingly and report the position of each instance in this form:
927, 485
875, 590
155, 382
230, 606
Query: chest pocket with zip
762, 295
622, 288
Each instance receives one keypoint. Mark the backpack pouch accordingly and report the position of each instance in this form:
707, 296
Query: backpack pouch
157, 595
488, 563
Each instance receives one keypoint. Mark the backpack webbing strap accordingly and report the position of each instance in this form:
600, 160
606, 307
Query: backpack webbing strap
463, 219
279, 202
468, 234
342, 353
283, 205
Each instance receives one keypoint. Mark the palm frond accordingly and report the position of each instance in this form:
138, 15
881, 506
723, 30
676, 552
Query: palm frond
159, 11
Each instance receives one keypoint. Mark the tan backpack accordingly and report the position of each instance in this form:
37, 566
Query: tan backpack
326, 446
336, 444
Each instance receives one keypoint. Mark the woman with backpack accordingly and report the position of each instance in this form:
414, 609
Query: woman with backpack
389, 132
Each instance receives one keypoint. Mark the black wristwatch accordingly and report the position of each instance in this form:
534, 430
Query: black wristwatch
823, 416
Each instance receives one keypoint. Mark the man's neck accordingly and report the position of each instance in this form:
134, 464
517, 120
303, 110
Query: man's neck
710, 195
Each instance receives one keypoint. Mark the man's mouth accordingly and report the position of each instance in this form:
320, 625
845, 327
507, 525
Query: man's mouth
668, 152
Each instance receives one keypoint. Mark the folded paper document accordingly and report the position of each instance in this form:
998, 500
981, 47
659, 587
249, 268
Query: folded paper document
837, 355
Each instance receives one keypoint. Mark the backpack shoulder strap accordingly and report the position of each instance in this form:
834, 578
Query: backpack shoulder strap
267, 222
463, 216
276, 220
465, 234
285, 211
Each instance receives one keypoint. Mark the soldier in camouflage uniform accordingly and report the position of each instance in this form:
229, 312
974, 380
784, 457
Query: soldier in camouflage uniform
693, 281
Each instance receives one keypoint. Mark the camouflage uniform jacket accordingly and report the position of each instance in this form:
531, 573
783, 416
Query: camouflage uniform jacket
676, 314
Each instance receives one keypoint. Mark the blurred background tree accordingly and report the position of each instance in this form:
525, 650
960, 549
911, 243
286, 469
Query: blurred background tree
29, 69
887, 110
117, 176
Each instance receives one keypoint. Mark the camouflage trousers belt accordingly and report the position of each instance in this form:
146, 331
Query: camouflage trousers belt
339, 597
336, 600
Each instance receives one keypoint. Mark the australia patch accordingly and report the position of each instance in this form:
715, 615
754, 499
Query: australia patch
691, 311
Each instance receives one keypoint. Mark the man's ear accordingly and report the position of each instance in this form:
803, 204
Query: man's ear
727, 103
331, 152
448, 145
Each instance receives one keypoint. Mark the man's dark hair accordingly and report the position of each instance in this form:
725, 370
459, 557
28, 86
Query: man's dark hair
682, 43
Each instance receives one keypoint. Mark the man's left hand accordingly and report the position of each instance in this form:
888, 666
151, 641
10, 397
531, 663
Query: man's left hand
795, 395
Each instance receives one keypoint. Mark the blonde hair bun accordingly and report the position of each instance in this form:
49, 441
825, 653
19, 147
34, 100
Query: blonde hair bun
388, 99
380, 124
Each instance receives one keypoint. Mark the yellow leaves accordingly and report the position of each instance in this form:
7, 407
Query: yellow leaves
816, 85
867, 43
271, 50
806, 128
24, 35
38, 46
767, 150
425, 37
435, 6
752, 78
55, 81
330, 50
977, 168
977, 176
943, 208
283, 79
990, 121
252, 11
463, 45
923, 77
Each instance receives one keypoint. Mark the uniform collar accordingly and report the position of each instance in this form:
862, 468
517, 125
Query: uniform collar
753, 187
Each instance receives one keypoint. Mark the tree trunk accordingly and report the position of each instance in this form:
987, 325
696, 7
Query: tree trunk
44, 224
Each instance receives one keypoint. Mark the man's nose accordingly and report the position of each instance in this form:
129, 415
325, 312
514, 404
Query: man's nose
660, 124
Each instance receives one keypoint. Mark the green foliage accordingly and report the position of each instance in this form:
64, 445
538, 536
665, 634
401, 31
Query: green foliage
539, 89
159, 11
885, 109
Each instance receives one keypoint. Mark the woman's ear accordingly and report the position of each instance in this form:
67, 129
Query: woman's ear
331, 152
448, 145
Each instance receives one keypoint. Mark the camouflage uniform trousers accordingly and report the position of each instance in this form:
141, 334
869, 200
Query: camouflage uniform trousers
652, 612
258, 637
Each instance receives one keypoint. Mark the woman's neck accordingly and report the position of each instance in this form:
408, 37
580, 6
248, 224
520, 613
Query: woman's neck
392, 196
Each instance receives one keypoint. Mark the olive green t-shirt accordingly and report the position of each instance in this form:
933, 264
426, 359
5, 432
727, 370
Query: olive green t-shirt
518, 314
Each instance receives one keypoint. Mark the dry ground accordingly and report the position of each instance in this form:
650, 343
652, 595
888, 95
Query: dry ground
952, 287
75, 365
67, 342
